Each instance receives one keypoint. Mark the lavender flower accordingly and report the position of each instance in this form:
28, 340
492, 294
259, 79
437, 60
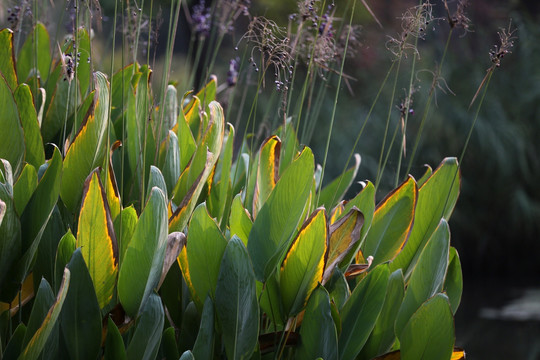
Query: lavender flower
201, 18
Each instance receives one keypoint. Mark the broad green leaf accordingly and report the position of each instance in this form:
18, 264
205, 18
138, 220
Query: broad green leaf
426, 176
168, 348
84, 51
236, 302
89, 146
291, 145
37, 42
169, 155
338, 287
303, 266
392, 223
156, 179
79, 117
35, 153
7, 58
382, 337
204, 345
318, 331
428, 275
187, 355
205, 247
429, 334
344, 235
141, 268
436, 200
147, 335
271, 302
10, 232
225, 191
170, 112
189, 327
65, 249
186, 142
200, 168
80, 316
97, 240
139, 133
114, 344
334, 192
42, 303
267, 171
239, 222
34, 219
111, 189
453, 282
360, 312
35, 345
46, 252
124, 227
280, 215
365, 202
14, 346
24, 187
120, 88
12, 147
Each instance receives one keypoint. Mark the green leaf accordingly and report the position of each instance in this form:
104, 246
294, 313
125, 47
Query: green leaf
382, 337
156, 179
97, 240
189, 327
170, 112
267, 171
318, 331
36, 343
14, 346
12, 147
24, 187
7, 58
34, 219
65, 249
338, 288
114, 344
436, 200
280, 215
200, 168
168, 344
88, 148
392, 223
35, 153
303, 266
169, 155
429, 334
120, 89
38, 41
360, 312
428, 275
83, 69
239, 222
124, 227
147, 335
334, 192
205, 247
453, 282
186, 142
80, 316
187, 355
225, 191
236, 302
141, 268
10, 232
204, 345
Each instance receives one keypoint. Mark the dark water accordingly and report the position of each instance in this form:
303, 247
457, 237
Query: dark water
498, 320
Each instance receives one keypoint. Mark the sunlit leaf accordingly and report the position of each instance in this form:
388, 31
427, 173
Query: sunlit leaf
141, 268
239, 222
7, 58
280, 215
35, 154
453, 282
97, 240
267, 171
37, 42
392, 223
12, 146
303, 266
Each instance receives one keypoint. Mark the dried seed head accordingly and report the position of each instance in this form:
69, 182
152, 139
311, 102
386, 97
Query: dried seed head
506, 39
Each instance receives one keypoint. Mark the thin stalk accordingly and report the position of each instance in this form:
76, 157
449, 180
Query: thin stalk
380, 168
333, 116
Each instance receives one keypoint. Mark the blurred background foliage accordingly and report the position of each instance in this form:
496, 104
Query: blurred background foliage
496, 226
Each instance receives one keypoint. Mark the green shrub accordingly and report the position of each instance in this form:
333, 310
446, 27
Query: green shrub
143, 234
